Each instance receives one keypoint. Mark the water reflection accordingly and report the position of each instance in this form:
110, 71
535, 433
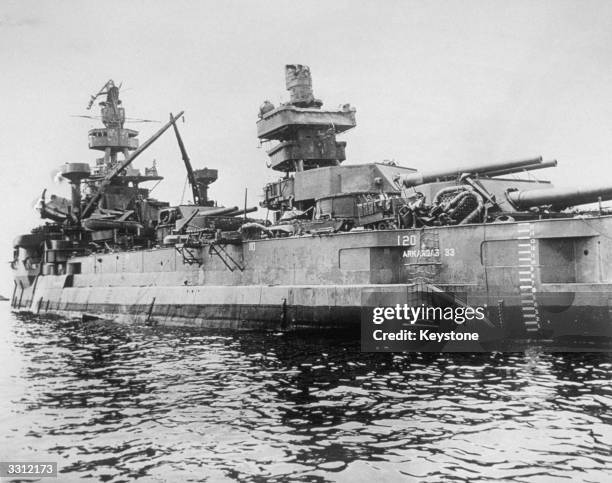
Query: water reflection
114, 403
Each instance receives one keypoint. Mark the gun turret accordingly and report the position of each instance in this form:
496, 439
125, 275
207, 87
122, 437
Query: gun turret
558, 198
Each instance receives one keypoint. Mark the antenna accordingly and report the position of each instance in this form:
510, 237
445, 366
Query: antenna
105, 89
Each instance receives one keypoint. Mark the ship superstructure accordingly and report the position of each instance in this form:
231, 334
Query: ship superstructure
338, 237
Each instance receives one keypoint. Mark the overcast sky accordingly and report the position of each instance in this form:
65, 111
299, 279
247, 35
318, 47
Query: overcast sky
434, 83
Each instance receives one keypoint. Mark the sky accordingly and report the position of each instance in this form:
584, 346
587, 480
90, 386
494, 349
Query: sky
435, 83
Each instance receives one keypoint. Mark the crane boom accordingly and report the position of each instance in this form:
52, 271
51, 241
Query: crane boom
190, 175
124, 164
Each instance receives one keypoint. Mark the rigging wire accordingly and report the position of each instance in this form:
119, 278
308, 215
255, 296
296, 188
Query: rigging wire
601, 233
184, 188
155, 186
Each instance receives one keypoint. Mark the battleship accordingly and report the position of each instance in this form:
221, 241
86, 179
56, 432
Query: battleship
336, 238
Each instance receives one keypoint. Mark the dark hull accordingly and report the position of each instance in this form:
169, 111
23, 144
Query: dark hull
517, 271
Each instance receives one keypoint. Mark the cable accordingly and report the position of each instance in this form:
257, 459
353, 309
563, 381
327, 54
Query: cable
184, 188
591, 226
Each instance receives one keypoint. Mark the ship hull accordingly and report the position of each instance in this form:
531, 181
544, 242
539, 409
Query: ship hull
264, 308
536, 280
254, 307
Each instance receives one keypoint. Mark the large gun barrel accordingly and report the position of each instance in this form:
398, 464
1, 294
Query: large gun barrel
558, 198
218, 211
243, 211
415, 179
522, 169
183, 223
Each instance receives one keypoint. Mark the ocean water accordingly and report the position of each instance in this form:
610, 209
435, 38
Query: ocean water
115, 403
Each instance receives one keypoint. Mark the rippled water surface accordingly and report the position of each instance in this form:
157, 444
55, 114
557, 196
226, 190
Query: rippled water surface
115, 403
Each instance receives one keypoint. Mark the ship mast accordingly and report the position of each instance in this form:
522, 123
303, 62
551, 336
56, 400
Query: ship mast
113, 138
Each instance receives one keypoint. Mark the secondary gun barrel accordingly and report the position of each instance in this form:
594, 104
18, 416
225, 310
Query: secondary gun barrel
243, 211
520, 169
559, 198
415, 179
218, 211
183, 223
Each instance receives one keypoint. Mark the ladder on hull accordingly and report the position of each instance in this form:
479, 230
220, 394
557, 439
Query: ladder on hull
225, 257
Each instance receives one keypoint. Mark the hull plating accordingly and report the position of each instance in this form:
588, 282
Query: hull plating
541, 279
